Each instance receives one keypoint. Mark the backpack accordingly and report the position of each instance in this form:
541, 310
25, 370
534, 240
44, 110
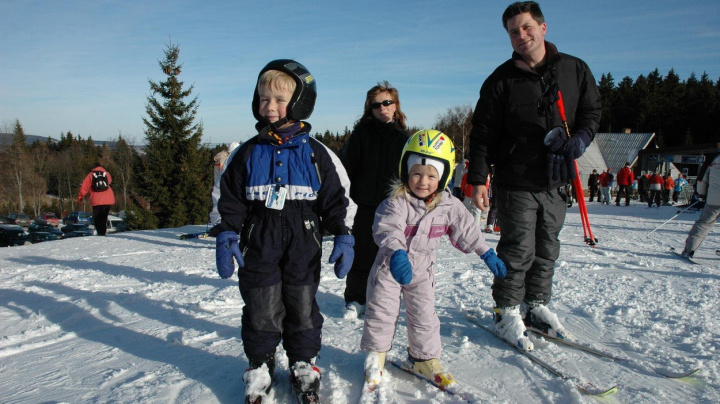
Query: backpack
99, 181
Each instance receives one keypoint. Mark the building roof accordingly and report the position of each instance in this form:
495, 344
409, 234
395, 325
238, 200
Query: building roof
611, 150
621, 148
591, 160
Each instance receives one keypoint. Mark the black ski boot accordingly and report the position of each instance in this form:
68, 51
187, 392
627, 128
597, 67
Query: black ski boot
258, 379
305, 378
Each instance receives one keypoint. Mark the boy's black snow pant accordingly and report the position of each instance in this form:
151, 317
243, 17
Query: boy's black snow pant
278, 283
530, 223
365, 252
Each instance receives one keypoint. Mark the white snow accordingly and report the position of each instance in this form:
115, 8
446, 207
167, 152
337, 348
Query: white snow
143, 317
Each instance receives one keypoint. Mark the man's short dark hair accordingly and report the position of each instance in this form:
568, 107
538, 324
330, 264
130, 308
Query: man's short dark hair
520, 7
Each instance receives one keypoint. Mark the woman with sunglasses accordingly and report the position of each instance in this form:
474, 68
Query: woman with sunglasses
371, 158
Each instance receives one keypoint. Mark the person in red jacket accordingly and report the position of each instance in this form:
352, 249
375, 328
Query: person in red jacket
668, 189
97, 183
625, 178
605, 179
656, 189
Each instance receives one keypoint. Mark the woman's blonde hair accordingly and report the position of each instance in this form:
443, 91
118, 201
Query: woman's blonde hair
399, 189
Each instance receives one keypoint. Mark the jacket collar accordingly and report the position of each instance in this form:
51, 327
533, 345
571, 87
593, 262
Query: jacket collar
551, 57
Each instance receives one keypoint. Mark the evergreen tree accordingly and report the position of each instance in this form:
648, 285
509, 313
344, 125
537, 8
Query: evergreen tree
606, 87
174, 174
20, 167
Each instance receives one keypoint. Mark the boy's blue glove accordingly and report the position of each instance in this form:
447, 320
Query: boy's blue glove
343, 254
227, 247
400, 267
496, 265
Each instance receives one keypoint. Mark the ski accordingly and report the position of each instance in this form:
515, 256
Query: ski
582, 385
372, 393
452, 390
581, 346
202, 234
689, 259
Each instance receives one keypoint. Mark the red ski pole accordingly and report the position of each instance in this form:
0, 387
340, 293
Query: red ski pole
577, 182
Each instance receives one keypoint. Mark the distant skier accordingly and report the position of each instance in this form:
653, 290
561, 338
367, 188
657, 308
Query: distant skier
220, 162
709, 187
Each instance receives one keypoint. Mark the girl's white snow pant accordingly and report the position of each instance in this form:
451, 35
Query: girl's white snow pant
383, 308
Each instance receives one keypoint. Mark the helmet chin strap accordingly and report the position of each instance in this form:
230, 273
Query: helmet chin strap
267, 127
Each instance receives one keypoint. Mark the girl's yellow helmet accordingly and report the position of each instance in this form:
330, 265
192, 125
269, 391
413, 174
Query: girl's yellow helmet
434, 144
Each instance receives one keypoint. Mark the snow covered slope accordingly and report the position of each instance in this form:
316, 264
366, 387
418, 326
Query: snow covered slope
142, 317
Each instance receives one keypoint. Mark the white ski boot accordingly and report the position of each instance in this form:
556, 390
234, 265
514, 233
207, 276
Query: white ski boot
353, 310
510, 327
305, 379
539, 317
258, 379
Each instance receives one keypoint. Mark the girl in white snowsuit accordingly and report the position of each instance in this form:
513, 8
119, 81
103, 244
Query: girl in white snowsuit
408, 227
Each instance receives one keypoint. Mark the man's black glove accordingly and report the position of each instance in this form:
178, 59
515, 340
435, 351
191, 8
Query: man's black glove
558, 168
571, 148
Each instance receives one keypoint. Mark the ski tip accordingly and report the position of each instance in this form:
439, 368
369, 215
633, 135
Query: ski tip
681, 375
598, 392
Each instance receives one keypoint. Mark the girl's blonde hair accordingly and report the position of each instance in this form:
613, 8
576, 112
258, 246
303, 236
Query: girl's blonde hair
399, 189
277, 80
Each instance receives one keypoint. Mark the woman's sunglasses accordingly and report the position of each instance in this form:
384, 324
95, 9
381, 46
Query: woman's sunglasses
386, 103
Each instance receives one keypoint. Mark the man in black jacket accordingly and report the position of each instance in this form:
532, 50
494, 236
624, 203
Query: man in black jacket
517, 127
593, 185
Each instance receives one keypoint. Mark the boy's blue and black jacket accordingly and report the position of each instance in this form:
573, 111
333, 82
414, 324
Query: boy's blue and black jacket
314, 176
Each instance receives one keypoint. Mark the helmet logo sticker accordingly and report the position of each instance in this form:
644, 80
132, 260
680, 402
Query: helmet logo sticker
439, 143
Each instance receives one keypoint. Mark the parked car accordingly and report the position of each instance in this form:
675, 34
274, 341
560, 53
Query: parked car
20, 219
115, 224
11, 234
4, 220
44, 232
80, 217
77, 230
48, 218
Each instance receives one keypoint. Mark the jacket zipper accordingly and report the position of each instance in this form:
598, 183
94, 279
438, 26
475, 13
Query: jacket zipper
248, 237
315, 232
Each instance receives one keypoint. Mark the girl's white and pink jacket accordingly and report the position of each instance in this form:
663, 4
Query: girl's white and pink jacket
404, 223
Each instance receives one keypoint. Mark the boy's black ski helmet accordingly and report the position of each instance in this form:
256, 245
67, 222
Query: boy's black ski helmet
302, 103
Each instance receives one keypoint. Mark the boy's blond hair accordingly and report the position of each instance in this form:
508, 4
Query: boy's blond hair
399, 189
277, 80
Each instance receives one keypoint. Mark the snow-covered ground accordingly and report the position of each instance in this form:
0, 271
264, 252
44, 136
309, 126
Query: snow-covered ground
142, 317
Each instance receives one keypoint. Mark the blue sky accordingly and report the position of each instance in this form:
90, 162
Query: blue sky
84, 66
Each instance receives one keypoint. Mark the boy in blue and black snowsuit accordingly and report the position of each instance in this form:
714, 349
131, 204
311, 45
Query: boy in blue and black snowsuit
281, 190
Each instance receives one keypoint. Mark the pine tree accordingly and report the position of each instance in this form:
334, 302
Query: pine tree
174, 174
20, 169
